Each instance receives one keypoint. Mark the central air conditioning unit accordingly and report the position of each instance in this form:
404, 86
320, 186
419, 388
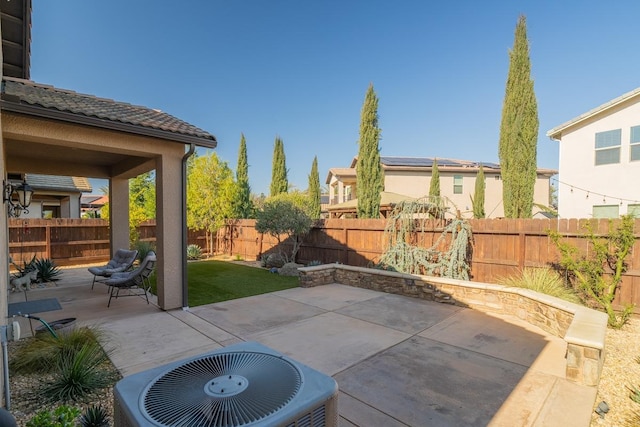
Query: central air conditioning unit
245, 384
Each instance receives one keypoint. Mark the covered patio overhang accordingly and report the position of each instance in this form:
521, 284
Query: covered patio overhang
58, 132
52, 131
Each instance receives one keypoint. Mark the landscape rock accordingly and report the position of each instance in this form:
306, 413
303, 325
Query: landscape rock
290, 269
274, 260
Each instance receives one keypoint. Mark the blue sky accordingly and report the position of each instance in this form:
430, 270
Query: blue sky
300, 69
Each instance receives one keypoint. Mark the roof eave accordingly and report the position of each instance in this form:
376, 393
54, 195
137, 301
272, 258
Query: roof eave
556, 132
46, 113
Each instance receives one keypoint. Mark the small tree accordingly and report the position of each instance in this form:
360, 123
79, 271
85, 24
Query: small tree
519, 131
314, 191
477, 201
210, 192
434, 185
242, 205
279, 181
282, 218
598, 273
369, 174
142, 202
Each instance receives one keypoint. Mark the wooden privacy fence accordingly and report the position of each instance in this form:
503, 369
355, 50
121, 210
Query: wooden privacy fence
71, 241
501, 247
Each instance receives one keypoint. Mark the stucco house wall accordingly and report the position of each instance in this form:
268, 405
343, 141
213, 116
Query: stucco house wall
584, 187
414, 181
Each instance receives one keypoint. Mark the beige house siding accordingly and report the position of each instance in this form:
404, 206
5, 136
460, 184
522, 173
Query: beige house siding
415, 181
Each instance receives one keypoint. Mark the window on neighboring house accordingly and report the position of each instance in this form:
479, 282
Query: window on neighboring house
634, 144
608, 147
633, 210
606, 211
457, 184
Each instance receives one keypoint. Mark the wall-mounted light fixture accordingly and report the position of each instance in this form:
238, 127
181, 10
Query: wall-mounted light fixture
23, 191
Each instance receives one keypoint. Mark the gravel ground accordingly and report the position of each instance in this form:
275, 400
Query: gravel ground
621, 370
26, 400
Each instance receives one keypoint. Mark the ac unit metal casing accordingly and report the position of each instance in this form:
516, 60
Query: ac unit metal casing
246, 384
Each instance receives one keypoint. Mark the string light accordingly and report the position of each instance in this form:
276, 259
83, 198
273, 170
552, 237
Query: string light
589, 193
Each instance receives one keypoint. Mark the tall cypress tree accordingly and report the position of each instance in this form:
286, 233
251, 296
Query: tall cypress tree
519, 130
434, 185
370, 180
243, 207
279, 182
314, 191
477, 201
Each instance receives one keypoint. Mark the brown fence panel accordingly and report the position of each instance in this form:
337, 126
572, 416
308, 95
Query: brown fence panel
501, 247
65, 241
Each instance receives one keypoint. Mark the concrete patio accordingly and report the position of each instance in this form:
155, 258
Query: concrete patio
398, 361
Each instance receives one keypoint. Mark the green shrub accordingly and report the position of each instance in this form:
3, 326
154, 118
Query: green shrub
78, 373
95, 416
194, 252
144, 248
40, 353
62, 416
47, 270
590, 269
543, 280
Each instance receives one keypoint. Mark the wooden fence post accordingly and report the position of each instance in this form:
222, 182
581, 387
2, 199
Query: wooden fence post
47, 231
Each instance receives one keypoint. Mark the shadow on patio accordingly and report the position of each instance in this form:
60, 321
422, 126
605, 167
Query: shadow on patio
397, 360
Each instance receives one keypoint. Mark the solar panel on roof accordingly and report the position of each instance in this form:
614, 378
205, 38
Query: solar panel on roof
406, 161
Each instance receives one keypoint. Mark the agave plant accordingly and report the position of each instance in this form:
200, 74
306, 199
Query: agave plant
47, 270
194, 252
95, 416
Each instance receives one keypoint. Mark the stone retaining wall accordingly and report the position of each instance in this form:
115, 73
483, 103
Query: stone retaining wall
583, 329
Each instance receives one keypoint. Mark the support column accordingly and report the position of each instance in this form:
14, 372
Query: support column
169, 230
4, 262
119, 213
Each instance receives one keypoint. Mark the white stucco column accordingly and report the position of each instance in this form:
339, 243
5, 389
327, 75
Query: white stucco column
169, 230
119, 213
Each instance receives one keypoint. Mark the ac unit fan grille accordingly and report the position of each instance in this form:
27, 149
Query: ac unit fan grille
221, 390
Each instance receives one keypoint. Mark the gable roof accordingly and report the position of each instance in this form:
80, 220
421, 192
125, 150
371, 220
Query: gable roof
70, 184
556, 132
28, 97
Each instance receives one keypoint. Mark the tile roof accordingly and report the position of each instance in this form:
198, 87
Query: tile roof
28, 93
58, 183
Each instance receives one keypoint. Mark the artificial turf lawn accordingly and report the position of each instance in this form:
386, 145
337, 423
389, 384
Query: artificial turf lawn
215, 281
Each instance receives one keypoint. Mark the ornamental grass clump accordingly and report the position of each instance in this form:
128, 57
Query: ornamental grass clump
543, 280
78, 373
41, 353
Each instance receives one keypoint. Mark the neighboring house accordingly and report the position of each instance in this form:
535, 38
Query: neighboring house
53, 196
92, 204
600, 160
411, 177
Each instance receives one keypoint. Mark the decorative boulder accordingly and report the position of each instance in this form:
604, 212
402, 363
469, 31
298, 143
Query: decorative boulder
274, 260
290, 269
